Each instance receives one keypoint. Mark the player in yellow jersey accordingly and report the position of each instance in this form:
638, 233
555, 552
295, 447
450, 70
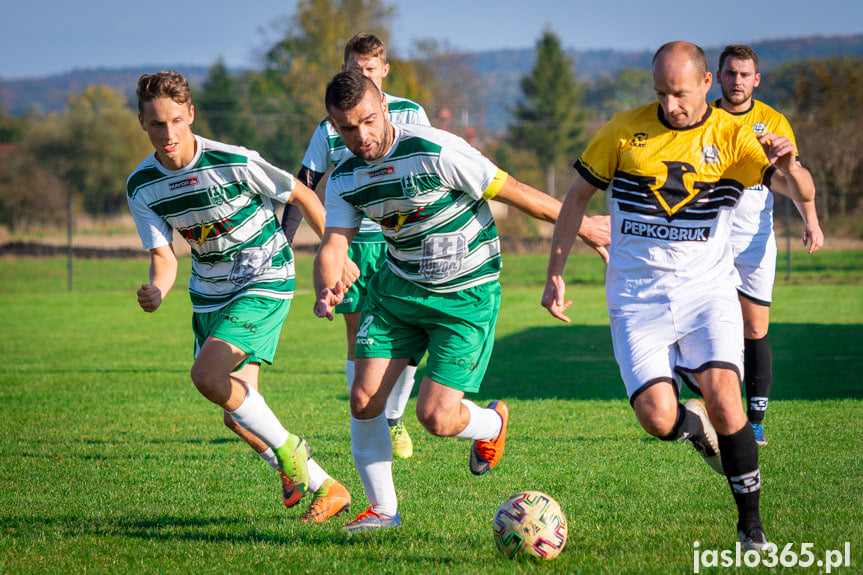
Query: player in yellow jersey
753, 241
674, 169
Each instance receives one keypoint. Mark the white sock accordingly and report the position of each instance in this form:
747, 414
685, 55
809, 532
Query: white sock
401, 393
484, 423
269, 456
255, 415
373, 456
317, 476
349, 373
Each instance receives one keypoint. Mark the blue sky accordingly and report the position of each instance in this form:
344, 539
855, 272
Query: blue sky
41, 37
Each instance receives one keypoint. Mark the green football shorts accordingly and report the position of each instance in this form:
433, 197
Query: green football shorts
252, 323
403, 320
369, 257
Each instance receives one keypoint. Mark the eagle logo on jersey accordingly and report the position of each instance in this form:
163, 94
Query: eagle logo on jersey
674, 194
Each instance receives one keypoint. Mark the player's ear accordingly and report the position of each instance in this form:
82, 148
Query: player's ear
191, 113
386, 69
141, 121
757, 79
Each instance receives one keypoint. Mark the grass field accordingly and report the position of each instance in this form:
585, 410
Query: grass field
111, 462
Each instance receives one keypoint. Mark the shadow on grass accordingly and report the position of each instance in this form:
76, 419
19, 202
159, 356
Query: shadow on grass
272, 529
810, 361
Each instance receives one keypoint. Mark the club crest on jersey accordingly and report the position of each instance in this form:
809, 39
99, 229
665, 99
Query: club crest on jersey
710, 155
410, 186
216, 195
193, 181
638, 140
759, 128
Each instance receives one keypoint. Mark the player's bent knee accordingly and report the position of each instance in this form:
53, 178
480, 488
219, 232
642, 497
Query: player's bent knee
210, 385
656, 420
436, 423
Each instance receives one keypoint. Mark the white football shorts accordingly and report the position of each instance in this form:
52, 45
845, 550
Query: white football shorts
661, 341
753, 244
755, 262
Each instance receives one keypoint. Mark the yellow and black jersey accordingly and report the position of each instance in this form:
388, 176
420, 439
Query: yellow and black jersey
764, 120
752, 223
671, 191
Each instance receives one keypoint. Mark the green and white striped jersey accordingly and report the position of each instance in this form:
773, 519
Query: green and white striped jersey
222, 204
429, 193
326, 149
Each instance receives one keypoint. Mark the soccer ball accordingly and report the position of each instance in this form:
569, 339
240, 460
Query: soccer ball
530, 523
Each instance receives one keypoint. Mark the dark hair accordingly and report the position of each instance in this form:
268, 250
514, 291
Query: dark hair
695, 53
366, 45
347, 89
164, 84
739, 51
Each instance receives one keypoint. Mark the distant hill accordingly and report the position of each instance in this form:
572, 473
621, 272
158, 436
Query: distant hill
500, 71
50, 93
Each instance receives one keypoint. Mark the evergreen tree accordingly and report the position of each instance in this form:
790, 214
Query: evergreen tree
549, 119
219, 111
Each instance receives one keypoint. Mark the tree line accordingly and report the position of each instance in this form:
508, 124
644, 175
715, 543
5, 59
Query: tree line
79, 159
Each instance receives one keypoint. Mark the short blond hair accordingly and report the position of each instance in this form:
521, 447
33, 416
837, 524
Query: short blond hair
367, 45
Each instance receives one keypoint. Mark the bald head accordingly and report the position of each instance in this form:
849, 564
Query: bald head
681, 50
681, 81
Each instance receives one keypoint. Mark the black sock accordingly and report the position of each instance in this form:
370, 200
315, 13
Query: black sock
687, 426
394, 422
758, 370
739, 454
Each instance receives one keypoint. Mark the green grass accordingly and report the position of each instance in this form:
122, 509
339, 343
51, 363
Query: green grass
111, 462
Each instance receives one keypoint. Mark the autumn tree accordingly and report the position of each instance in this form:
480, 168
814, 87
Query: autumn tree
822, 99
288, 95
311, 51
549, 119
92, 148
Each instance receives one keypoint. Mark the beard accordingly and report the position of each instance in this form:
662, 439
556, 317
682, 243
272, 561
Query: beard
736, 98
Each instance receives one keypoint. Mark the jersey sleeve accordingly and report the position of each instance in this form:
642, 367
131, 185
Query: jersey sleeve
268, 180
317, 157
463, 167
340, 213
750, 166
599, 162
153, 230
421, 117
783, 128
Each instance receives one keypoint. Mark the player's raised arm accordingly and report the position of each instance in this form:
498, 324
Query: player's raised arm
310, 205
791, 178
163, 273
594, 231
570, 220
